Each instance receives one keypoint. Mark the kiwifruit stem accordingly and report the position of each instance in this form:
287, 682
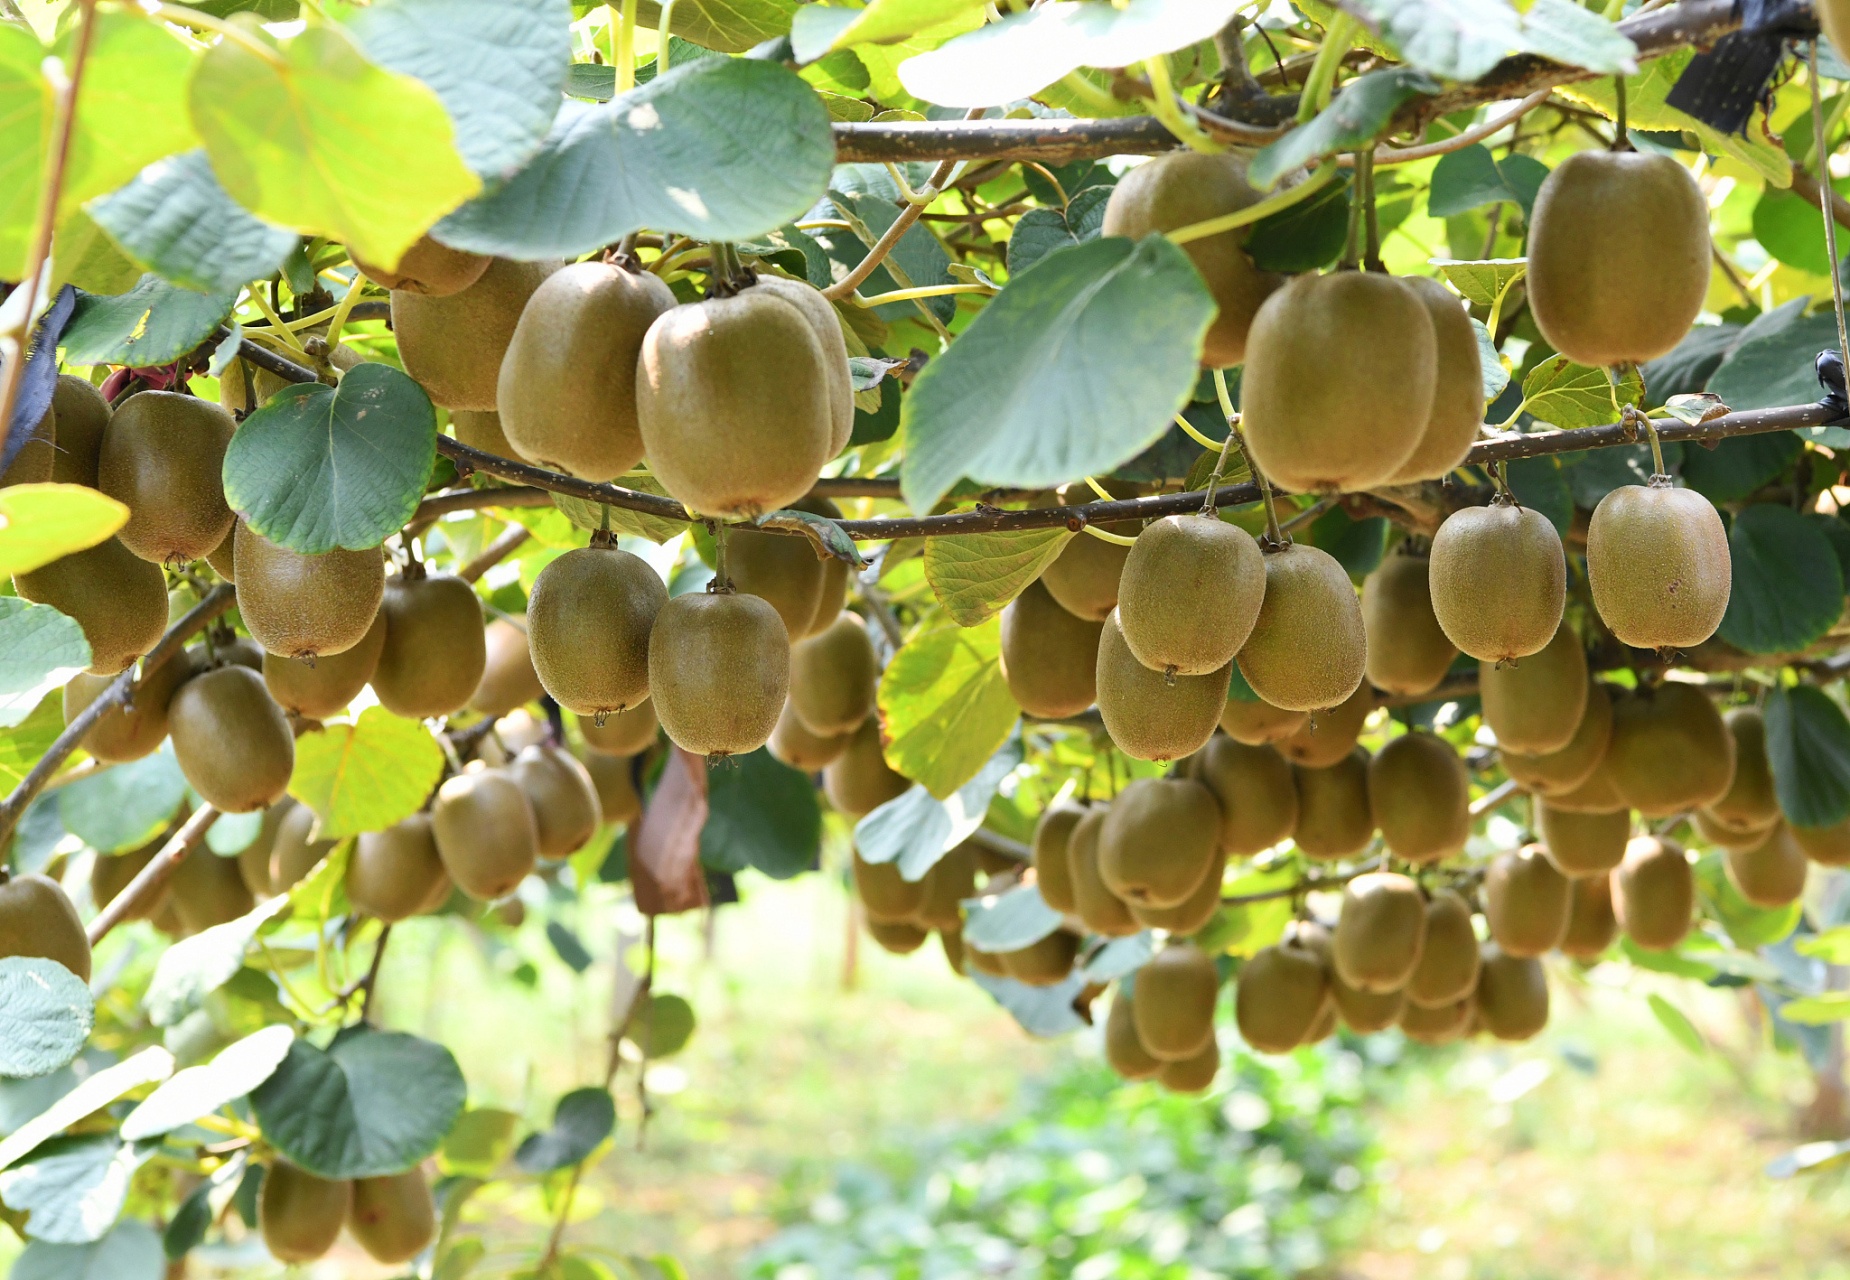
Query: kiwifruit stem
721, 582
1352, 244
1365, 174
1621, 136
1322, 77
1819, 148
1220, 469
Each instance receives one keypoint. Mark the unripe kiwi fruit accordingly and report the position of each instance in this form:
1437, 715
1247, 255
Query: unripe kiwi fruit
1447, 971
1512, 994
162, 456
1750, 803
232, 741
393, 1217
900, 938
1670, 750
951, 879
117, 599
792, 743
589, 618
622, 734
1826, 846
1557, 773
393, 873
859, 780
564, 799
1407, 649
295, 853
37, 919
1280, 995
128, 733
1256, 722
1044, 963
1327, 736
110, 874
1124, 1052
1420, 795
1258, 798
1189, 593
1366, 1012
82, 415
616, 786
1340, 374
1093, 901
435, 651
428, 267
508, 678
719, 669
1658, 563
1526, 902
1177, 990
1053, 873
306, 606
1591, 925
321, 687
1534, 704
1149, 715
826, 324
1714, 831
1771, 873
1192, 1075
300, 1214
1308, 650
885, 894
1583, 844
1618, 256
1049, 656
1498, 577
1654, 893
1439, 1024
486, 833
1158, 840
1335, 816
34, 462
1458, 387
208, 890
453, 345
1380, 932
833, 677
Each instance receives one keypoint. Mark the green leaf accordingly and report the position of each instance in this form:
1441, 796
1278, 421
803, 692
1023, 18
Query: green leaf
763, 814
1496, 377
477, 1144
1541, 483
1832, 946
1567, 395
1562, 31
1120, 956
1788, 590
233, 832
730, 26
176, 218
1305, 236
1818, 1010
1771, 361
74, 1188
21, 748
84, 256
1735, 468
1677, 1023
946, 706
1463, 39
1040, 1011
1472, 177
1788, 227
720, 149
826, 536
193, 968
153, 323
131, 1251
40, 649
25, 115
45, 1015
580, 1123
1357, 545
1481, 281
1039, 232
664, 1024
1009, 921
373, 1103
1353, 119
975, 576
318, 139
367, 775
1251, 926
590, 515
869, 200
1071, 370
1808, 745
124, 807
915, 829
97, 1091
882, 22
1690, 364
199, 1091
1675, 963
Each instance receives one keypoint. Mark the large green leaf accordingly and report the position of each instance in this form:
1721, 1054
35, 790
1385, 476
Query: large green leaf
1748, 926
23, 745
193, 968
947, 706
975, 576
580, 1123
1305, 236
41, 522
1567, 395
593, 515
730, 26
1009, 921
918, 260
916, 829
199, 1091
762, 814
367, 775
1690, 364
816, 29
131, 1251
1472, 177
1787, 226
1480, 280
1788, 589
1352, 120
176, 218
1733, 469
1808, 744
82, 254
124, 807
1040, 1011
153, 323
1074, 368
722, 149
25, 118
1463, 39
1771, 361
40, 649
1039, 232
97, 1091
74, 1188
45, 1015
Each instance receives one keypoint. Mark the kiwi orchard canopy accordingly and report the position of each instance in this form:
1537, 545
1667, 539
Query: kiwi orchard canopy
1240, 540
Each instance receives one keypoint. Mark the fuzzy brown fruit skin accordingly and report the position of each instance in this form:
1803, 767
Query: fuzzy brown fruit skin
1499, 581
567, 384
624, 734
393, 1217
1583, 844
1192, 914
123, 734
1559, 773
826, 324
435, 650
453, 345
1366, 1012
1420, 794
1049, 656
1591, 925
1512, 995
1658, 563
486, 833
1335, 816
429, 268
1053, 873
1441, 1024
82, 416
859, 780
833, 677
118, 599
1713, 831
393, 873
1447, 971
733, 400
1535, 704
1596, 795
508, 677
900, 938
1458, 387
1158, 840
481, 429
1184, 188
34, 462
1192, 1075
1146, 715
294, 853
299, 1214
1309, 649
1258, 797
1380, 933
792, 743
1654, 893
886, 896
616, 786
1618, 256
1750, 803
162, 456
1326, 737
1044, 963
1341, 370
321, 687
112, 873
1771, 873
1834, 17
566, 810
806, 592
1670, 750
208, 890
1256, 722
1189, 594
588, 625
719, 669
1093, 901
232, 741
1177, 990
36, 919
306, 606
951, 942
1826, 846
1123, 1050
1526, 902
1279, 996
1084, 578
1407, 649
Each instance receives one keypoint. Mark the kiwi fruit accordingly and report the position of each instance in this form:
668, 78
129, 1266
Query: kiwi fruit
1408, 652
1366, 1012
232, 741
1044, 963
223, 557
321, 687
833, 677
1123, 1050
508, 677
983, 961
1826, 846
229, 651
121, 733
1177, 990
719, 669
1750, 803
1596, 795
300, 1214
1257, 723
1340, 375
1591, 925
1192, 914
1085, 577
1654, 893
1093, 901
1772, 873
82, 415
393, 1217
834, 590
37, 919
1158, 840
1583, 844
886, 895
1498, 577
807, 592
208, 890
792, 742
616, 787
295, 853
110, 874
1335, 816
1834, 17
1309, 649
1526, 902
1440, 1024
1184, 188
37, 457
1150, 715
1658, 564
1380, 933
1189, 594
435, 650
429, 268
1258, 799
623, 734
1458, 387
1049, 656
301, 606
1670, 750
118, 599
393, 873
481, 429
952, 878
162, 457
486, 833
567, 385
826, 324
1053, 874
453, 344
1447, 971
1328, 736
566, 811
1192, 1075
859, 781
1619, 258
1713, 831
951, 942
1420, 795
1325, 1025
899, 937
1512, 994
1560, 772
1535, 704
1279, 997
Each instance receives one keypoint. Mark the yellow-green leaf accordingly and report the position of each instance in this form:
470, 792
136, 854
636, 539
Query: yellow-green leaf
365, 776
947, 706
23, 744
976, 576
25, 120
41, 522
132, 110
1567, 395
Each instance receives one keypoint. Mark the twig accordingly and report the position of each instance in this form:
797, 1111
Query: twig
845, 287
1494, 797
154, 875
494, 553
371, 980
436, 507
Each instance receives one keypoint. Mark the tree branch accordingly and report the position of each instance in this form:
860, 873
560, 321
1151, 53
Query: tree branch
494, 553
154, 875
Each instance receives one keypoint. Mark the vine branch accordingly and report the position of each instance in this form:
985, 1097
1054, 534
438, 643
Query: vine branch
151, 877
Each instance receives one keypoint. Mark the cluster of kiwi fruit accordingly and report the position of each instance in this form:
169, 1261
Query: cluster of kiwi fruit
392, 1216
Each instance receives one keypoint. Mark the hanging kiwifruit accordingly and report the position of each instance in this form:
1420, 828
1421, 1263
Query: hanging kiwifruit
1526, 902
1366, 1012
1053, 874
1177, 990
899, 937
1458, 387
453, 345
435, 651
295, 852
951, 942
1439, 1024
301, 606
792, 742
232, 741
1512, 994
393, 873
1420, 794
564, 799
1583, 844
118, 599
806, 592
161, 457
719, 669
616, 786
37, 919
1834, 17
1498, 576
1654, 893
228, 650
1596, 795
1084, 578
624, 734
1749, 804
1618, 256
1327, 736
1658, 563
1093, 901
82, 415
1591, 925
1043, 963
125, 733
1192, 1075
1713, 831
1192, 914
567, 384
254, 858
1049, 656
1826, 846
1340, 373
429, 267
37, 455
1560, 772
300, 1214
1380, 932
1771, 873
508, 678
1535, 704
886, 895
1158, 840
859, 780
1258, 799
1447, 971
833, 677
1123, 1050
321, 687
1281, 993
110, 874
1189, 593
481, 429
1325, 1025
486, 833
1256, 722
209, 890
1670, 750
1335, 817
393, 1217
826, 323
1150, 715
588, 624
1308, 650
1407, 649
223, 557
951, 879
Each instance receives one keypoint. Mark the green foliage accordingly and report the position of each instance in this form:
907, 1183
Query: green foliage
580, 1123
947, 706
975, 577
1566, 395
177, 218
1353, 119
367, 775
45, 1015
1788, 589
40, 650
763, 814
127, 806
1472, 177
1808, 745
195, 967
151, 324
1010, 921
